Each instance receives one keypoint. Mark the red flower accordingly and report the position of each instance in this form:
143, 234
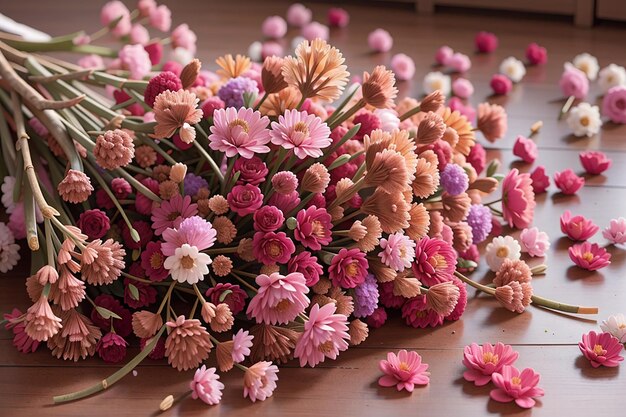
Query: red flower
235, 298
94, 223
112, 348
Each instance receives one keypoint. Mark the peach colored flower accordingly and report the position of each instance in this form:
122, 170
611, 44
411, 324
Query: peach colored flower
188, 343
176, 110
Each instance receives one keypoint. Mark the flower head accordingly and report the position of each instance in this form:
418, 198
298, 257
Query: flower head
482, 361
403, 371
163, 81
536, 54
568, 182
259, 381
172, 212
403, 67
325, 335
611, 76
435, 261
534, 242
513, 385
616, 231
584, 120
574, 82
313, 228
588, 64
398, 251
594, 162
75, 187
518, 199
615, 325
578, 227
526, 149
540, 180
232, 92
112, 348
114, 149
501, 84
305, 133
240, 132
589, 256
614, 104
176, 110
602, 349
501, 248
348, 268
206, 386
280, 298
379, 88
513, 68
486, 42
454, 179
380, 40
107, 264
188, 264
244, 199
41, 322
436, 80
188, 343
479, 219
271, 247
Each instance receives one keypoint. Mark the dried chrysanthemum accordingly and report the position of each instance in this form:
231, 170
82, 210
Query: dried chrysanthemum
392, 210
373, 232
218, 204
188, 343
276, 104
463, 127
272, 343
491, 119
146, 323
106, 266
419, 222
226, 230
443, 297
222, 265
75, 187
432, 102
455, 207
358, 332
430, 129
316, 179
379, 88
405, 286
386, 170
232, 67
272, 75
426, 175
176, 110
317, 70
190, 73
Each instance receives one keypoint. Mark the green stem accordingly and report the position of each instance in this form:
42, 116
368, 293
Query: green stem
410, 113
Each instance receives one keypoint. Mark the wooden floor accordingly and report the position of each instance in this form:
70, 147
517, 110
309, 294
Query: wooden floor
347, 387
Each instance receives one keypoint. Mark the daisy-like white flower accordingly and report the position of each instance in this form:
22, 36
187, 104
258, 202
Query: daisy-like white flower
588, 64
242, 132
616, 325
436, 80
397, 252
188, 264
584, 120
305, 133
513, 68
501, 248
611, 76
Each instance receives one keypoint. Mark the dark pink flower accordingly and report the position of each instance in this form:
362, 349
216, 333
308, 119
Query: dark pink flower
455, 103
501, 84
594, 162
268, 219
526, 149
112, 348
416, 313
577, 227
155, 52
230, 294
251, 171
574, 82
614, 104
307, 265
518, 199
94, 223
152, 262
589, 256
147, 293
21, 340
482, 361
338, 17
143, 229
313, 228
122, 327
513, 385
134, 109
348, 268
486, 42
270, 247
245, 199
459, 309
540, 180
172, 212
403, 371
386, 296
121, 188
536, 54
159, 350
602, 349
377, 318
143, 204
477, 157
285, 202
568, 182
435, 261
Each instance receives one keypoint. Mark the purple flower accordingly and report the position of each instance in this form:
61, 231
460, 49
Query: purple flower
193, 183
366, 297
454, 180
232, 92
479, 219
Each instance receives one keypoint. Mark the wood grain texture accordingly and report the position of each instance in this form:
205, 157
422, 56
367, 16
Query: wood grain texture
347, 387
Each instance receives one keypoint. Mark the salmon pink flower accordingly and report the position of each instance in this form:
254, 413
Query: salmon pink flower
313, 228
403, 371
568, 182
348, 268
305, 133
540, 180
206, 385
526, 149
594, 162
602, 349
270, 247
486, 42
577, 227
325, 335
280, 298
616, 231
513, 385
435, 261
589, 256
482, 361
240, 132
259, 381
518, 199
534, 242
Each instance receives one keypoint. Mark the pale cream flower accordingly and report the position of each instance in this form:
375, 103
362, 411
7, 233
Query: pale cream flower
436, 80
501, 248
513, 68
584, 120
611, 76
588, 64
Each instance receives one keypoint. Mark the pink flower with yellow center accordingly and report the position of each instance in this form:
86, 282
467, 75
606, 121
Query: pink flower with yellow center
403, 371
589, 256
242, 132
513, 385
270, 248
313, 228
435, 261
482, 361
348, 268
398, 251
602, 349
325, 335
305, 133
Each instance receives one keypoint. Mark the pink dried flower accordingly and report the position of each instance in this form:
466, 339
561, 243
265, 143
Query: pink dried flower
594, 162
534, 242
578, 227
518, 199
589, 256
176, 110
112, 348
161, 82
540, 180
602, 349
315, 30
403, 371
75, 187
22, 341
398, 251
501, 84
486, 42
526, 149
206, 385
298, 15
536, 54
614, 104
155, 51
211, 104
112, 11
380, 40
616, 231
462, 88
172, 212
325, 335
121, 188
305, 133
513, 385
403, 66
136, 60
348, 268
194, 231
270, 247
482, 361
274, 27
568, 182
161, 18
443, 54
234, 298
183, 37
91, 61
459, 62
313, 228
107, 265
574, 82
242, 342
188, 343
244, 199
338, 17
240, 132
284, 182
435, 261
41, 323
114, 149
259, 381
280, 298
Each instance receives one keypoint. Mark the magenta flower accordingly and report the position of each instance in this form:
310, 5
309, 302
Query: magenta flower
242, 132
231, 295
404, 371
589, 256
568, 182
285, 202
574, 82
338, 17
270, 247
348, 268
518, 199
482, 361
594, 162
244, 199
307, 265
94, 223
577, 228
501, 84
305, 133
112, 348
325, 335
313, 228
416, 313
152, 262
614, 104
486, 42
526, 149
536, 54
540, 180
513, 385
251, 170
435, 261
602, 349
398, 251
280, 298
616, 231
242, 342
172, 212
206, 386
534, 242
268, 219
